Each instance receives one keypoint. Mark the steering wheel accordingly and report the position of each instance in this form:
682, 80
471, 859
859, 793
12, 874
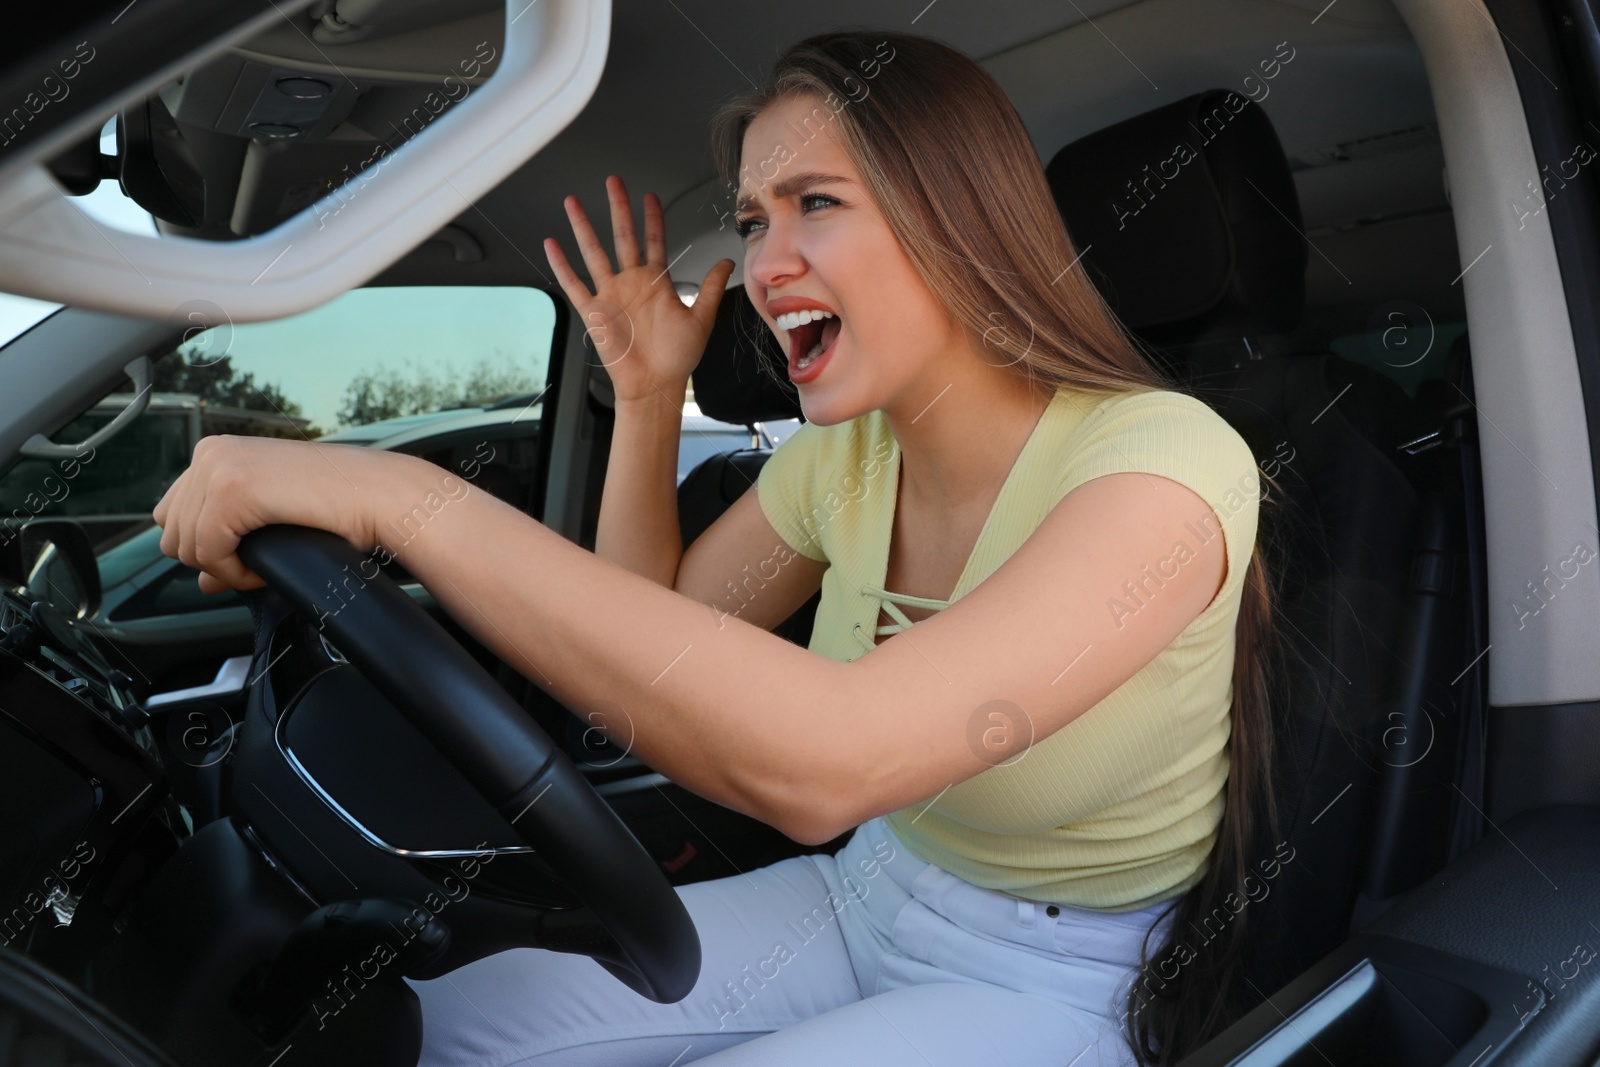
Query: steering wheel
499, 749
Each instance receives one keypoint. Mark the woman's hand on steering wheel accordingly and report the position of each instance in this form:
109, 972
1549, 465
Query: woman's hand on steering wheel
645, 336
237, 484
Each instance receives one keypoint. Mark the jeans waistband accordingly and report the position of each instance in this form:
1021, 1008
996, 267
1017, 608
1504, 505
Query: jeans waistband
1043, 926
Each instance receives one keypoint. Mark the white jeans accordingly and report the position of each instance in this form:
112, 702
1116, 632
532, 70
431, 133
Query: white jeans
871, 955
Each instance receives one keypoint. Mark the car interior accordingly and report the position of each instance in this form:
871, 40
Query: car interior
1362, 230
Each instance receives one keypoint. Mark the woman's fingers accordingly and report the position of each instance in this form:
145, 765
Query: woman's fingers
655, 233
189, 526
622, 231
625, 235
216, 545
711, 292
169, 504
594, 254
570, 283
199, 541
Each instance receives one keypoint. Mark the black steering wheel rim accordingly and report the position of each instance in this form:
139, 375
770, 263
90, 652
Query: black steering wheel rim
497, 747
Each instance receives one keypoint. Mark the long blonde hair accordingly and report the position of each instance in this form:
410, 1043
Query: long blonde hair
950, 166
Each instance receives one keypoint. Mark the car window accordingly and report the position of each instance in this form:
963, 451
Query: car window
455, 374
779, 431
703, 438
1402, 342
378, 354
170, 589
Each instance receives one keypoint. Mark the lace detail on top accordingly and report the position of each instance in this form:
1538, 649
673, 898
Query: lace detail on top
901, 622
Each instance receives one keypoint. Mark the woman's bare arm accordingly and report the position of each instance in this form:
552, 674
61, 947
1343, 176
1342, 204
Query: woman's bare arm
742, 567
804, 743
739, 565
638, 527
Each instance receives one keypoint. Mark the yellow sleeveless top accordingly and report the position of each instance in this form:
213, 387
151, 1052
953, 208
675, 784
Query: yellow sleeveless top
1119, 809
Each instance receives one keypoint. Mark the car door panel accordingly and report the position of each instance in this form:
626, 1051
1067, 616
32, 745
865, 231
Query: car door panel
1492, 961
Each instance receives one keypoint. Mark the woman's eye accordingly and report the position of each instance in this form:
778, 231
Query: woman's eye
827, 201
744, 227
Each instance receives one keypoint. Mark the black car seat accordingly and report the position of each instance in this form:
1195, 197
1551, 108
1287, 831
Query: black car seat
741, 378
1188, 222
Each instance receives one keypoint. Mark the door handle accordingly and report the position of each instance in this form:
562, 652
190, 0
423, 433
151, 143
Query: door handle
42, 446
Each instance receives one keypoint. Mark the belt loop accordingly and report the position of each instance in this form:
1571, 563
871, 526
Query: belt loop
1025, 913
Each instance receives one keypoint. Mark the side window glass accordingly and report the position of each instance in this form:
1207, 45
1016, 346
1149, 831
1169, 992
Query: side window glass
1403, 343
704, 437
455, 374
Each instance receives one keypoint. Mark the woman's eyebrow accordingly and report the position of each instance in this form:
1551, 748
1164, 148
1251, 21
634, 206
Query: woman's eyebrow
793, 184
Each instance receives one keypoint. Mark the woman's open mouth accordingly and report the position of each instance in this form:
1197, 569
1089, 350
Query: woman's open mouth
812, 336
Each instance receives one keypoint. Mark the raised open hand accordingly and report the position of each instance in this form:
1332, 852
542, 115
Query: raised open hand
645, 336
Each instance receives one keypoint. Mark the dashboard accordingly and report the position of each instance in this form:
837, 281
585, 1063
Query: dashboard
71, 656
86, 812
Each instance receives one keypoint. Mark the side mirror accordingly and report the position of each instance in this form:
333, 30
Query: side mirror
59, 566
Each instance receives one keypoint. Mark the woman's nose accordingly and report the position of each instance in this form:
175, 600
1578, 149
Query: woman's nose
774, 259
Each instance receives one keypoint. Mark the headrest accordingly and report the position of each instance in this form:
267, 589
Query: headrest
743, 377
1188, 220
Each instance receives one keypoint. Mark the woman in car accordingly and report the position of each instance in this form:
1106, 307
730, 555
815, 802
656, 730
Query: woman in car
1036, 683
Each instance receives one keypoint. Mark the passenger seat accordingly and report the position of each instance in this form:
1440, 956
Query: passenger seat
1204, 261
